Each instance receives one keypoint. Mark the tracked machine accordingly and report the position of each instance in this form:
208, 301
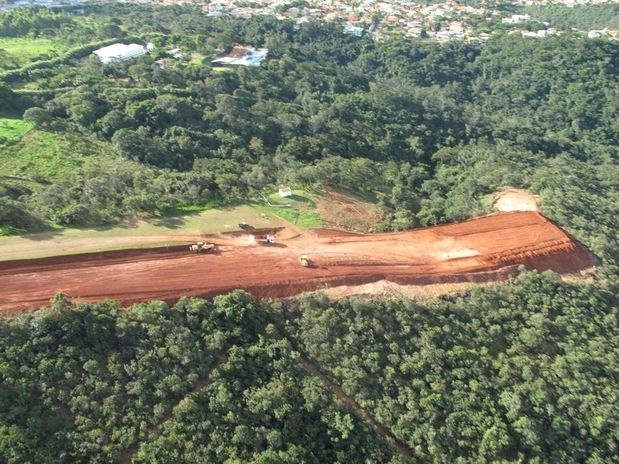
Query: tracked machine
201, 247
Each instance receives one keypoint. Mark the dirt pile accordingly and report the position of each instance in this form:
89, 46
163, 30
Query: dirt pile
512, 199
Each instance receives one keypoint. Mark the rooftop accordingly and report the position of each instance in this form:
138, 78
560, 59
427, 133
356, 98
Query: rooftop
243, 56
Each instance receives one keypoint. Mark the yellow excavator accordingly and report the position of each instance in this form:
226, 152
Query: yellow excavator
305, 261
201, 247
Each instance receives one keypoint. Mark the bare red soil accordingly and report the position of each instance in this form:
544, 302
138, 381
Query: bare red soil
480, 250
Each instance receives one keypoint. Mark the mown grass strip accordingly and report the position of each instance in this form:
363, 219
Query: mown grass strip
135, 233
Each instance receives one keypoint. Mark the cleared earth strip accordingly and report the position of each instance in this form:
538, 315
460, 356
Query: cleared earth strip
127, 456
395, 444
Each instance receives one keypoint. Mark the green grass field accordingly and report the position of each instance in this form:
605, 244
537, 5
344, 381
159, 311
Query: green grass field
297, 209
15, 52
137, 233
50, 155
13, 129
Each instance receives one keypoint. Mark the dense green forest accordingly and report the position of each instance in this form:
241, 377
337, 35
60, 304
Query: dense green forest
582, 17
526, 371
428, 131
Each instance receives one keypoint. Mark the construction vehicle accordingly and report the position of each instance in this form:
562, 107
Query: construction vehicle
243, 225
201, 247
305, 261
269, 239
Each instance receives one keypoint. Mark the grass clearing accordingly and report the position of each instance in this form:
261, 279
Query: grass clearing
344, 211
136, 233
221, 69
301, 219
298, 209
210, 221
51, 155
17, 51
199, 59
13, 129
185, 224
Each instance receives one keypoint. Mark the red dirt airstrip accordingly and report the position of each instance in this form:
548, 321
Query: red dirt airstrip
480, 250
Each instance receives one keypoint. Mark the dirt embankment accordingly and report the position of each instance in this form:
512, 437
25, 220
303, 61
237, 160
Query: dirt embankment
480, 250
512, 199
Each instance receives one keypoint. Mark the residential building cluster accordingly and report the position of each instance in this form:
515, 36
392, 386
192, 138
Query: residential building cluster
447, 20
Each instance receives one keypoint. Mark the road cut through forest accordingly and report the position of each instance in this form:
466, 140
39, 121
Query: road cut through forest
484, 249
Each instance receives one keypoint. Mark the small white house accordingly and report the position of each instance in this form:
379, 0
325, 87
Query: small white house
285, 192
353, 30
119, 52
517, 18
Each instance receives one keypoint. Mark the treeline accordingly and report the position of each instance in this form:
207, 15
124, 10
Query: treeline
506, 374
203, 382
581, 17
97, 197
524, 371
34, 22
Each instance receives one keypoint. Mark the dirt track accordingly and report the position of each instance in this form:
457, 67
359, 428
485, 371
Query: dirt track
480, 250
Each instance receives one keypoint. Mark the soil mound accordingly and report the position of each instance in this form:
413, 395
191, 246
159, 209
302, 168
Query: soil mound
515, 200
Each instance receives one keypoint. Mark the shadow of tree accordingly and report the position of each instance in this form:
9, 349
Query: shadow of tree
172, 222
300, 198
41, 236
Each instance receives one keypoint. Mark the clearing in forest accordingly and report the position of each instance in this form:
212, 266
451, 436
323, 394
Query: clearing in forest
479, 250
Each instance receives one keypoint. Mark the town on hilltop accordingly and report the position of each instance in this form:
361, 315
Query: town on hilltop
469, 20
446, 20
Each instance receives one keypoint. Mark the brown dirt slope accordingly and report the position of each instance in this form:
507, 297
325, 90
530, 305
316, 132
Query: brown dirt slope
342, 211
480, 250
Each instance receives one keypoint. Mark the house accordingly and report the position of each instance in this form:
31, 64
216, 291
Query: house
176, 53
517, 18
163, 63
285, 192
353, 30
119, 52
243, 56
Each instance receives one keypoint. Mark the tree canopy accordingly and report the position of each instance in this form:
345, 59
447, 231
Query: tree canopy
521, 371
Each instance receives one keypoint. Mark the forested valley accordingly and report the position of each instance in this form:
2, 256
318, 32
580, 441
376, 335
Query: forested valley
522, 371
525, 371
